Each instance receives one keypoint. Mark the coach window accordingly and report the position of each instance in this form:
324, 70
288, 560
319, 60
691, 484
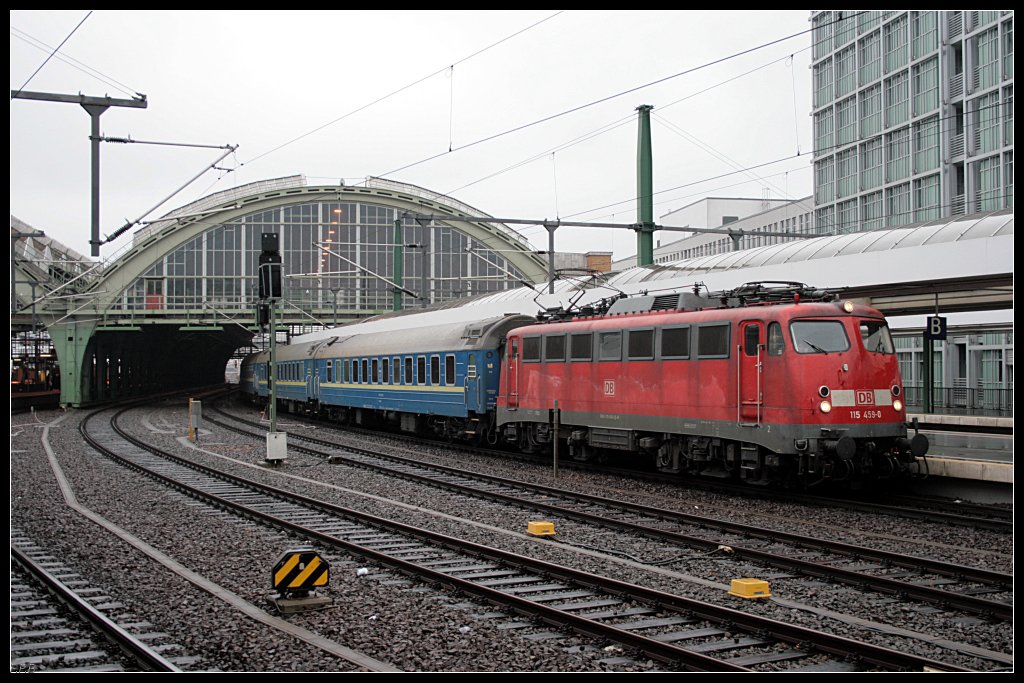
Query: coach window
554, 347
610, 344
345, 371
355, 372
713, 341
385, 367
751, 339
330, 369
435, 369
408, 370
396, 371
531, 349
641, 344
675, 342
471, 367
374, 374
581, 347
449, 370
366, 372
421, 370
776, 340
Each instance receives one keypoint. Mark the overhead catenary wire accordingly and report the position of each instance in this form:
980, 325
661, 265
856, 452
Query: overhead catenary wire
600, 100
50, 56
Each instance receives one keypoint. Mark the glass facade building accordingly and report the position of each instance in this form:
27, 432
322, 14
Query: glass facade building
913, 116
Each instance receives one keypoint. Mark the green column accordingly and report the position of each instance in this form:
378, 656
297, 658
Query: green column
644, 189
70, 341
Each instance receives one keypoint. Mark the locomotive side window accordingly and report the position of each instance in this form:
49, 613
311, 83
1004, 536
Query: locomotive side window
776, 340
641, 344
610, 346
876, 337
408, 369
531, 349
751, 339
421, 370
554, 347
675, 342
449, 370
713, 341
435, 369
819, 336
582, 347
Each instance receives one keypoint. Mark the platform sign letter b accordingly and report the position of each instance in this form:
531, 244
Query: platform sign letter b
936, 330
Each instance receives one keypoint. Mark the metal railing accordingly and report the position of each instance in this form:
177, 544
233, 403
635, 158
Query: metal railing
963, 401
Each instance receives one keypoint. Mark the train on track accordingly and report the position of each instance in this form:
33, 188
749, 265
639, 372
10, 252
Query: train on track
767, 383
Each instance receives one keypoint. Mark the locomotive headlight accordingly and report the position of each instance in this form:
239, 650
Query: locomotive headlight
848, 306
897, 405
825, 406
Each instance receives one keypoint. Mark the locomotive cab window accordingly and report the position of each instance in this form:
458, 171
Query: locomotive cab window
776, 340
641, 344
610, 346
675, 342
582, 347
713, 341
531, 349
819, 336
554, 347
876, 338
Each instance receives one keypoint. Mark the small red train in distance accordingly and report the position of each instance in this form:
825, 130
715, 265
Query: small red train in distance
762, 383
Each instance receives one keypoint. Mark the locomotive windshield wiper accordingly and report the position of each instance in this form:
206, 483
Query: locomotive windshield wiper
814, 346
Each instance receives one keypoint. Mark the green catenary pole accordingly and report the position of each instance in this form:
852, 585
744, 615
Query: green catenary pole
644, 189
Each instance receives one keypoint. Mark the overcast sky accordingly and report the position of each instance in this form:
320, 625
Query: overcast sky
262, 79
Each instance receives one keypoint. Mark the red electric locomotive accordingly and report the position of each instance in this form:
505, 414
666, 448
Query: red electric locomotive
764, 383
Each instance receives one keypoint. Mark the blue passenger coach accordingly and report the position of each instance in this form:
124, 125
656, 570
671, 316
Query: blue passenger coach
441, 377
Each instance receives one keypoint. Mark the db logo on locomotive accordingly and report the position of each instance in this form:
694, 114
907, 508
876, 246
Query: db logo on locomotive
865, 398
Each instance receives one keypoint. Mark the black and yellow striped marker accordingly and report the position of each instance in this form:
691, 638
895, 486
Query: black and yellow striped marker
299, 571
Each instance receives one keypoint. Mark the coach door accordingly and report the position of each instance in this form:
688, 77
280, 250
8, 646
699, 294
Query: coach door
749, 354
512, 373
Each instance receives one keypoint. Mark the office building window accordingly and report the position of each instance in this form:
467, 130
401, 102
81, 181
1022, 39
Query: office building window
824, 181
897, 153
986, 59
823, 140
846, 172
897, 99
926, 86
897, 205
871, 211
848, 216
823, 83
846, 71
926, 198
926, 145
926, 32
822, 26
871, 164
989, 191
871, 58
846, 121
986, 123
871, 111
894, 37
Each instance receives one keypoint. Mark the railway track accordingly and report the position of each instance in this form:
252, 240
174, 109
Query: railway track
948, 585
60, 623
686, 633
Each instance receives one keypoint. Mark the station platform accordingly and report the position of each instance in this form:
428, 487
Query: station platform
970, 447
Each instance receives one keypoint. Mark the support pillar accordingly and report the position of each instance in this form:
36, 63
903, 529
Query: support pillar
70, 343
644, 189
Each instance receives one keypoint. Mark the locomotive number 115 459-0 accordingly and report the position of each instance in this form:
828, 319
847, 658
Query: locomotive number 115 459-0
865, 414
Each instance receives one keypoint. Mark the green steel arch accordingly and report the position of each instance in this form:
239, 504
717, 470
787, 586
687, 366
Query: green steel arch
114, 337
